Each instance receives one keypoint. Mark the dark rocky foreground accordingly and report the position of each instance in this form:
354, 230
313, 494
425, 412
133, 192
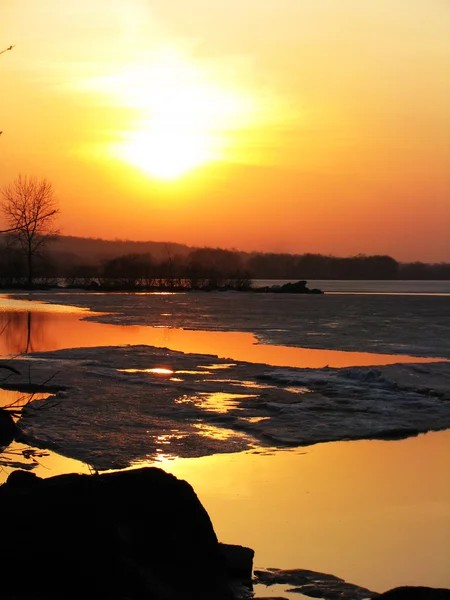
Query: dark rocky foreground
135, 534
125, 535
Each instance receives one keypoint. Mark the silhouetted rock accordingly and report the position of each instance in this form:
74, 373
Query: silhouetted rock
415, 593
134, 534
298, 287
8, 429
239, 561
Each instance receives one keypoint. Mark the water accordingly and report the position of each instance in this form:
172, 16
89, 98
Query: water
415, 325
374, 512
36, 329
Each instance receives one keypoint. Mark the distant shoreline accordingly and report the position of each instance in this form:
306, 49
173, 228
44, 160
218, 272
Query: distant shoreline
327, 286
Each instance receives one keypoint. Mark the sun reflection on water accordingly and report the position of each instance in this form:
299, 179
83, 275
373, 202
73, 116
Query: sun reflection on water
155, 370
255, 419
222, 402
218, 402
217, 433
217, 366
192, 372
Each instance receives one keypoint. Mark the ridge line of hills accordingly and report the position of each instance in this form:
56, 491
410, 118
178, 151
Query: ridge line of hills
103, 249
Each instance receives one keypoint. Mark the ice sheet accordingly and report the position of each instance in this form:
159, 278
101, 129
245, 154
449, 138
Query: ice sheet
115, 411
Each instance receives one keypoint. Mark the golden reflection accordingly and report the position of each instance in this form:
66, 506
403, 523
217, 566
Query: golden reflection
245, 383
46, 463
183, 399
64, 330
161, 458
23, 331
216, 433
9, 305
167, 438
153, 293
162, 454
192, 372
256, 419
156, 371
16, 400
220, 402
251, 384
376, 513
217, 367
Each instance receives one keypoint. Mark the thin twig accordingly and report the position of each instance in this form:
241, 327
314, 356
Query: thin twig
8, 368
6, 49
50, 378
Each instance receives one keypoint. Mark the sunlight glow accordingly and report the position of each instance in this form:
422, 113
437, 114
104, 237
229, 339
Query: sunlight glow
185, 117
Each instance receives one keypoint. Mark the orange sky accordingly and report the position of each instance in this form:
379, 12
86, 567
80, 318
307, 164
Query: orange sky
287, 125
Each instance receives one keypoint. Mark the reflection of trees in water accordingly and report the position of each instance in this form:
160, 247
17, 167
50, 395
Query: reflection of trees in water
20, 333
13, 454
23, 332
20, 456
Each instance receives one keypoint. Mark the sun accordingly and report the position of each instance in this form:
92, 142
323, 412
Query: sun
166, 154
168, 149
184, 121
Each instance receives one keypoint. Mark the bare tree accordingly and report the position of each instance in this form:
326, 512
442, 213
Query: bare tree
30, 208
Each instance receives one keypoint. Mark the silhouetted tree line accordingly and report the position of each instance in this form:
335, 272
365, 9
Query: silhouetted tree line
205, 269
319, 266
202, 269
14, 268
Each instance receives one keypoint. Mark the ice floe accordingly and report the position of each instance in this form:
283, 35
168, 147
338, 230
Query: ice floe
122, 405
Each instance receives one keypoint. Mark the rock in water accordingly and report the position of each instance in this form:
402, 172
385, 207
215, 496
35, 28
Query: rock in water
416, 593
313, 584
126, 535
8, 428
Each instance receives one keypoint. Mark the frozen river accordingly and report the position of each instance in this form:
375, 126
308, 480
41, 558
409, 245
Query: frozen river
388, 323
282, 372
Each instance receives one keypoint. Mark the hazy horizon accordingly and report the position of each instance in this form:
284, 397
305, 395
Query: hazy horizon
298, 127
230, 248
